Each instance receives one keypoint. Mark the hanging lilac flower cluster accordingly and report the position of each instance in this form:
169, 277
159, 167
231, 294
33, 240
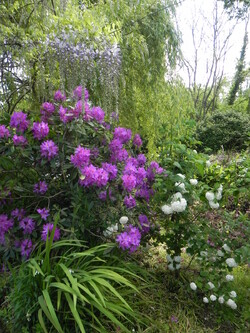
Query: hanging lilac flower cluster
78, 59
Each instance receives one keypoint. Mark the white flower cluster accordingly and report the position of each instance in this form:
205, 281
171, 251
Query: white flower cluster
110, 230
178, 205
124, 220
211, 285
193, 182
210, 196
229, 302
174, 263
229, 277
193, 286
221, 299
208, 163
231, 262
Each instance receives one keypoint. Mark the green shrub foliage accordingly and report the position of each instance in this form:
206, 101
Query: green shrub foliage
228, 129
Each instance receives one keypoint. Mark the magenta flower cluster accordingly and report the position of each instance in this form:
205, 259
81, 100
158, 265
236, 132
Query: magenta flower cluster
41, 187
19, 140
47, 229
81, 157
19, 121
48, 149
4, 132
5, 225
40, 130
129, 239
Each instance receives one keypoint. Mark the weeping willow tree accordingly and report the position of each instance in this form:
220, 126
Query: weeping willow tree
120, 50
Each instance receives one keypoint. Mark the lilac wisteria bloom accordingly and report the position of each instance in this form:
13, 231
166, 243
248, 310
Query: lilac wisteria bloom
41, 187
137, 141
19, 121
4, 132
5, 225
59, 97
81, 157
129, 202
44, 213
47, 229
26, 248
19, 140
129, 239
27, 224
40, 130
48, 149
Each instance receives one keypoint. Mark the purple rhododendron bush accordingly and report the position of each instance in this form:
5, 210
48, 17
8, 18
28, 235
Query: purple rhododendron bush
71, 158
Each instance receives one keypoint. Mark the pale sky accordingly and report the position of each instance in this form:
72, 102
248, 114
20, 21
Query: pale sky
201, 12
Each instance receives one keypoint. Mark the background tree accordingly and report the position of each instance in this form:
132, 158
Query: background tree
240, 73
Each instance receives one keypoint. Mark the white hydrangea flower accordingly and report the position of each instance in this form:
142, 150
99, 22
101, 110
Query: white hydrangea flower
229, 277
218, 196
210, 196
193, 286
177, 258
178, 266
208, 163
232, 304
203, 253
110, 230
179, 206
211, 285
181, 175
176, 196
220, 253
193, 182
232, 294
167, 209
124, 220
169, 258
171, 267
221, 299
226, 248
205, 300
214, 205
181, 186
231, 262
213, 298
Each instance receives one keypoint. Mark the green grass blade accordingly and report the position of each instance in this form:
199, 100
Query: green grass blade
51, 309
75, 313
41, 321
